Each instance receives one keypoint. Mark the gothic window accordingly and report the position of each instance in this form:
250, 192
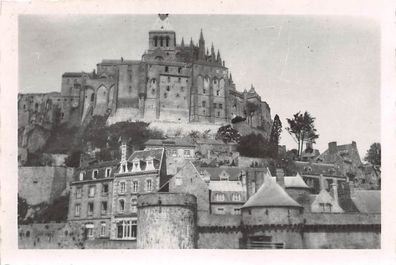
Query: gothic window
93, 97
161, 41
167, 41
166, 68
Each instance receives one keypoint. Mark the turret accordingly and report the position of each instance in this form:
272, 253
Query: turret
212, 54
201, 45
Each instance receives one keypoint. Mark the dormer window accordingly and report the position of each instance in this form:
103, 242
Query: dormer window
94, 174
236, 197
108, 171
219, 197
82, 175
136, 165
150, 163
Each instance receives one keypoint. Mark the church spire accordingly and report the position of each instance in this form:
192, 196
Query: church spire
212, 53
191, 43
218, 57
182, 43
201, 44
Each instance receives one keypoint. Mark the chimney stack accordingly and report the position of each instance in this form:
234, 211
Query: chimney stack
333, 147
280, 177
334, 190
321, 183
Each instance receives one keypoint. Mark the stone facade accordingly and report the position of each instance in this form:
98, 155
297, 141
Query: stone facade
173, 82
43, 184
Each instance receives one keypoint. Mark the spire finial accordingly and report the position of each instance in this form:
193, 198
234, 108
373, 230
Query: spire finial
182, 43
201, 38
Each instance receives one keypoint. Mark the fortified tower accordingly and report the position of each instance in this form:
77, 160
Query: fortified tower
167, 220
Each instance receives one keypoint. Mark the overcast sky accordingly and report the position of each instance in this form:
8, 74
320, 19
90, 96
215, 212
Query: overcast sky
327, 65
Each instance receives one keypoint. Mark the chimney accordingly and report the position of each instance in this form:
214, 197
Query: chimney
354, 144
280, 177
334, 190
123, 161
321, 183
333, 147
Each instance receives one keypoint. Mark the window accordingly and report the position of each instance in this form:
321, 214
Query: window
134, 204
82, 175
168, 88
122, 186
121, 205
94, 174
89, 228
77, 209
220, 210
105, 189
219, 197
135, 186
173, 152
204, 112
166, 68
220, 106
187, 153
127, 229
90, 208
204, 91
178, 181
108, 171
91, 191
217, 92
237, 211
204, 104
179, 79
179, 71
218, 114
214, 105
78, 192
103, 207
149, 185
165, 95
102, 229
236, 197
169, 79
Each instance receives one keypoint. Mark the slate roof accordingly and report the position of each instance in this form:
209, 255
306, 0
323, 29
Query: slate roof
294, 182
177, 141
214, 172
142, 155
100, 166
72, 74
270, 194
367, 201
313, 168
225, 186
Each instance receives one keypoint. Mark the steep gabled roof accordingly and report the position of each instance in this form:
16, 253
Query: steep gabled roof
144, 154
294, 182
367, 201
271, 194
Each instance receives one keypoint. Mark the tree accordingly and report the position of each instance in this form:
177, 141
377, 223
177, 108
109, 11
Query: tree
251, 108
302, 129
228, 134
275, 136
254, 145
373, 155
23, 207
73, 159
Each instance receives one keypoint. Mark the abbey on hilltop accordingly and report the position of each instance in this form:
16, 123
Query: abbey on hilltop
173, 82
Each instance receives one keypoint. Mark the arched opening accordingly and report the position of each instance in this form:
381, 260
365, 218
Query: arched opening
167, 41
93, 97
155, 41
161, 41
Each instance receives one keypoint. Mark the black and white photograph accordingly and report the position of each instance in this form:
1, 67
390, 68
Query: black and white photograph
192, 130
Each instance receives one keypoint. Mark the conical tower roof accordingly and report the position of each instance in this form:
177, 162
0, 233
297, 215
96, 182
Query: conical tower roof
270, 194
